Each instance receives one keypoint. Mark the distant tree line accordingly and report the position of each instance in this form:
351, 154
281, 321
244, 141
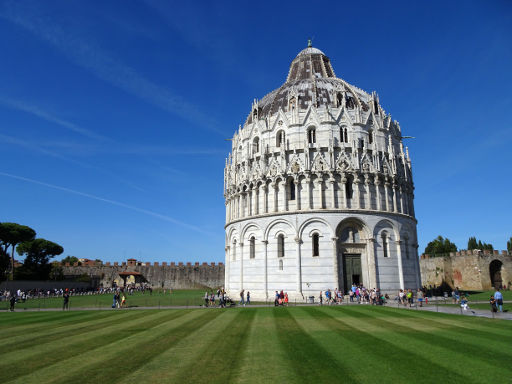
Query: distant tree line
441, 246
37, 253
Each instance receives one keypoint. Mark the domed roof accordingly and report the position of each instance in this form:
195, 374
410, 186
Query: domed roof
312, 81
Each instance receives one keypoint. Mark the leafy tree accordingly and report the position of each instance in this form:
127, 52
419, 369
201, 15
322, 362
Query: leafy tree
56, 272
4, 264
509, 245
12, 234
473, 244
69, 259
37, 254
440, 246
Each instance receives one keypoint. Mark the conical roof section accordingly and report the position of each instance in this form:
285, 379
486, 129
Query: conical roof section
310, 63
311, 81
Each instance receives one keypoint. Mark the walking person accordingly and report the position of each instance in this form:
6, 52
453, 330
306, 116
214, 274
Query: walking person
420, 297
321, 298
248, 298
12, 301
499, 299
242, 301
65, 304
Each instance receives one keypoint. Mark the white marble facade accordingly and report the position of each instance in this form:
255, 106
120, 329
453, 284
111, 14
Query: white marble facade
319, 191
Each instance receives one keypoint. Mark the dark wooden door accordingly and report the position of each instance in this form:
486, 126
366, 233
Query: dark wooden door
352, 270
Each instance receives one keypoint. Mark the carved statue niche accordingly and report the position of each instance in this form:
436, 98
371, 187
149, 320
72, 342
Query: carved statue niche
319, 164
343, 162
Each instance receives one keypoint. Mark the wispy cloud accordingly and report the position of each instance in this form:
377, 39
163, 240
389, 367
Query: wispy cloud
103, 65
39, 112
108, 201
38, 148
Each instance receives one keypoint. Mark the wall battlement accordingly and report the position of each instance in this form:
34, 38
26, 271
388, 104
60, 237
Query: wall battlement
159, 275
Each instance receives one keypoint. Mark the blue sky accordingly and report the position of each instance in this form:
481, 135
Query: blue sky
113, 115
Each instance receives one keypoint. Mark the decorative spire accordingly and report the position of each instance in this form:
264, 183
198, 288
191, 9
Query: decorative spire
310, 43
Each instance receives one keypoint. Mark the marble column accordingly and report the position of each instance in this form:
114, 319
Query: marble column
298, 194
372, 267
357, 198
400, 190
368, 197
386, 193
226, 272
275, 193
265, 271
394, 197
298, 241
332, 182
254, 201
344, 187
308, 192
406, 200
335, 266
284, 197
378, 197
241, 265
263, 197
320, 184
400, 267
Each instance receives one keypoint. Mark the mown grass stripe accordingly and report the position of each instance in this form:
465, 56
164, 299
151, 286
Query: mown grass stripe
43, 356
220, 358
165, 367
389, 363
33, 320
264, 360
312, 362
477, 326
52, 335
140, 353
495, 342
492, 325
482, 353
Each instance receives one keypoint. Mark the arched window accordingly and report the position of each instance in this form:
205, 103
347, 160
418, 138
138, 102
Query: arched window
292, 104
280, 245
256, 145
344, 134
280, 265
348, 189
339, 99
291, 188
311, 136
234, 250
252, 247
280, 139
385, 243
349, 102
370, 136
316, 244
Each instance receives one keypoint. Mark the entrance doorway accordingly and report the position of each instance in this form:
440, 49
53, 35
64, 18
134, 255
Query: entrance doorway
495, 271
352, 270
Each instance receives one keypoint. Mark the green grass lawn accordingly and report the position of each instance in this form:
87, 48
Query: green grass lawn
184, 297
254, 345
484, 296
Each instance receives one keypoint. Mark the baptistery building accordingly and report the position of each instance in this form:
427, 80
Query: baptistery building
318, 191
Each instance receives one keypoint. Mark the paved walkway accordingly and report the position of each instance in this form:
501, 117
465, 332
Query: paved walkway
455, 310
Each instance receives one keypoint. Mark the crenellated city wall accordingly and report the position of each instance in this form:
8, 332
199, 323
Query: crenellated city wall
159, 275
